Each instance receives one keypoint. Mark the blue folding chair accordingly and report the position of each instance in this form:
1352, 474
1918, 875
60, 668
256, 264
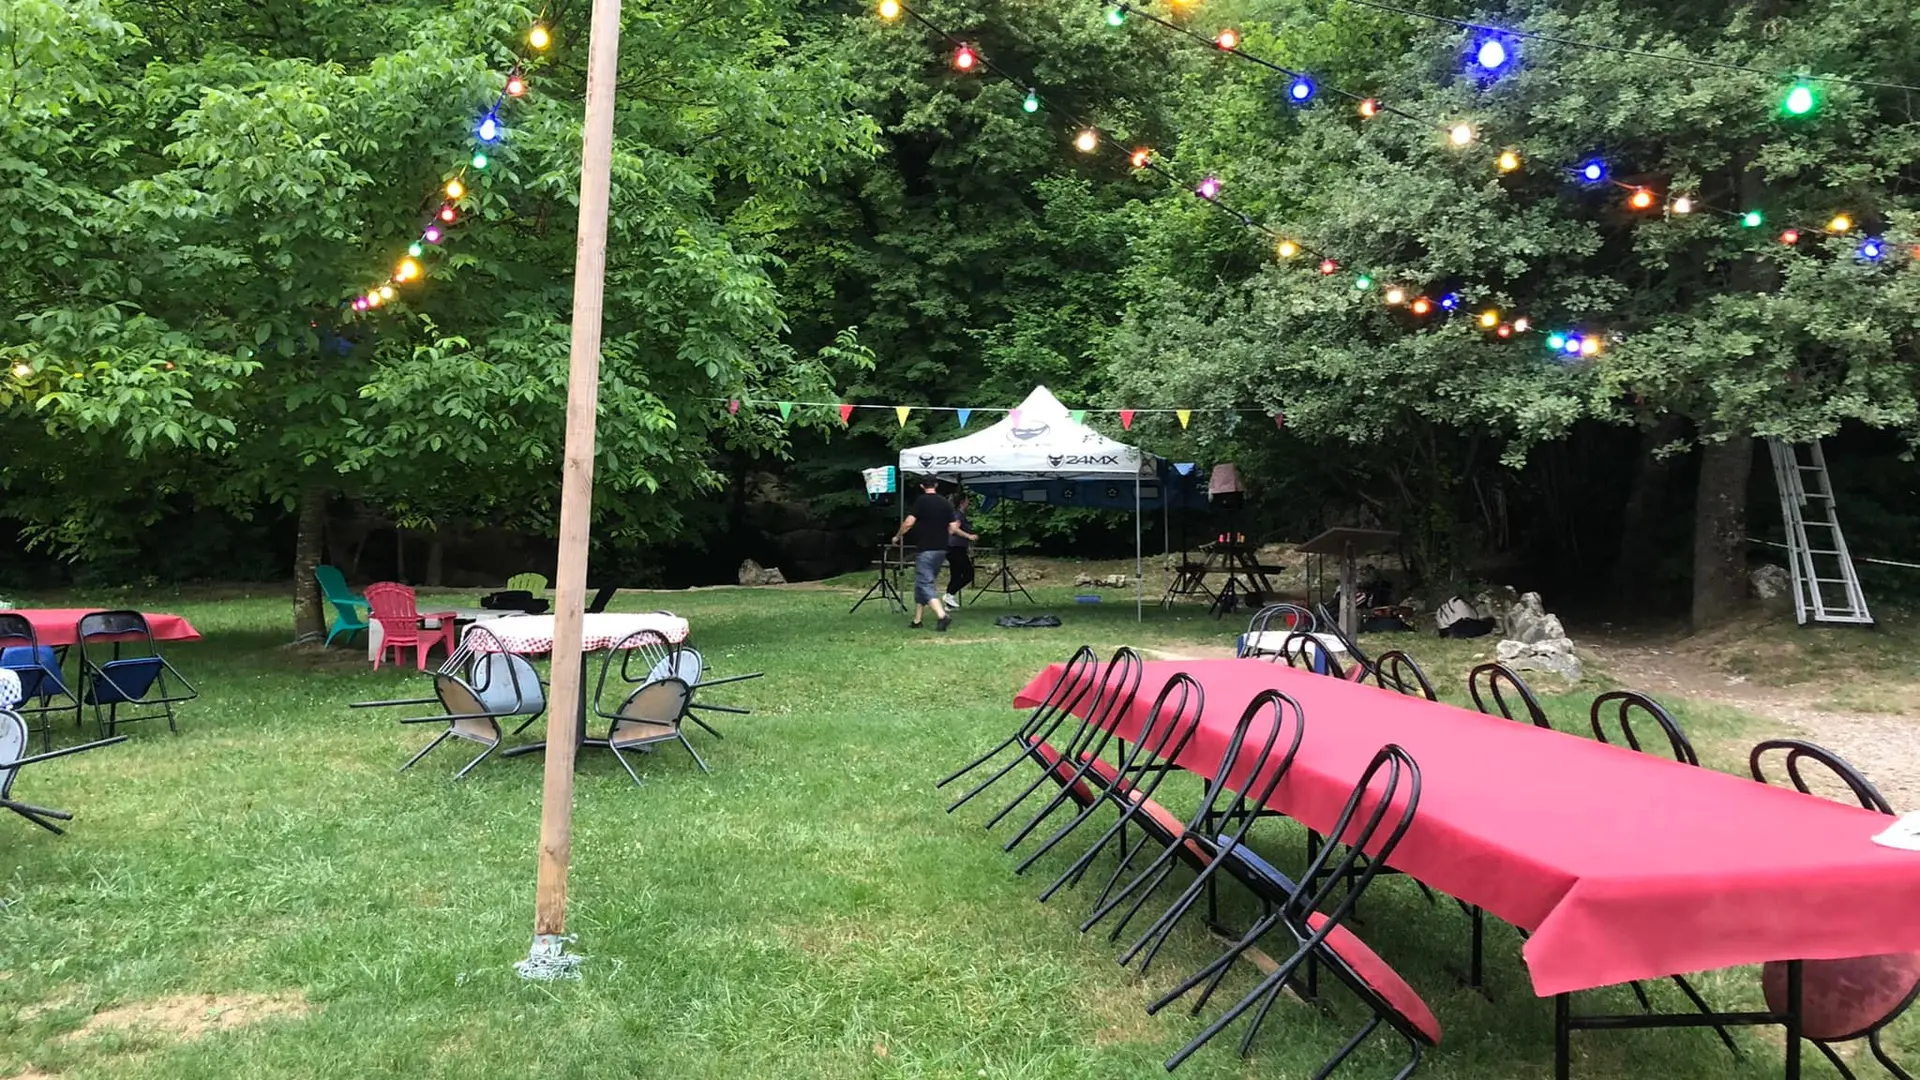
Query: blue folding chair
38, 668
121, 668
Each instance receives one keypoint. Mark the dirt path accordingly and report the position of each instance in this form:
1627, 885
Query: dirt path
1885, 747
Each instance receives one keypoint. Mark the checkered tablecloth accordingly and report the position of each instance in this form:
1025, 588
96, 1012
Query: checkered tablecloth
533, 634
9, 689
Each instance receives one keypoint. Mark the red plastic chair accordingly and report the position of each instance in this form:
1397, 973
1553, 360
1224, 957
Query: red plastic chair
393, 607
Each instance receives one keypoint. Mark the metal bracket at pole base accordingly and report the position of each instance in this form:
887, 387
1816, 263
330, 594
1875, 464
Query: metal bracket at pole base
549, 959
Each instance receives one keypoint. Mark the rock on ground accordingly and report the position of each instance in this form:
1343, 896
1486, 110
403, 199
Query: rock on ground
1535, 641
752, 573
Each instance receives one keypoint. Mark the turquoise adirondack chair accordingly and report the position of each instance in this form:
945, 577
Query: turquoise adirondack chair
349, 611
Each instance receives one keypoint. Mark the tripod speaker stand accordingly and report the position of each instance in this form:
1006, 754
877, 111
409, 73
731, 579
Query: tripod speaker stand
1004, 581
892, 561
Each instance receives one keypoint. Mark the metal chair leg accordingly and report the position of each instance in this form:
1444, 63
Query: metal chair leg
491, 747
1880, 1054
622, 759
437, 740
697, 759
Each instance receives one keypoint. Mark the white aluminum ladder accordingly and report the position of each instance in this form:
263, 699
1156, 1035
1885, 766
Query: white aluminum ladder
1825, 587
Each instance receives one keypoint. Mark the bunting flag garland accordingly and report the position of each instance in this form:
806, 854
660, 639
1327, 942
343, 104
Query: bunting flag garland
1184, 415
1280, 420
846, 414
1078, 416
1126, 419
454, 192
964, 414
786, 410
733, 406
1013, 416
901, 411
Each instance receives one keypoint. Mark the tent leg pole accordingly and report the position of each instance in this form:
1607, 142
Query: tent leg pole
1139, 587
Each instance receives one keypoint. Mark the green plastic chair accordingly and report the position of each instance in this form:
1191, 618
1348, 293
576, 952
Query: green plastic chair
349, 611
532, 583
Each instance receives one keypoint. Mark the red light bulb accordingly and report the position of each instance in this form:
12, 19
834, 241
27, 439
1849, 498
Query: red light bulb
964, 58
1790, 237
1228, 39
447, 214
516, 86
1328, 266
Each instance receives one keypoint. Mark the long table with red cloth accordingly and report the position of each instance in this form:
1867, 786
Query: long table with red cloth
1623, 865
61, 626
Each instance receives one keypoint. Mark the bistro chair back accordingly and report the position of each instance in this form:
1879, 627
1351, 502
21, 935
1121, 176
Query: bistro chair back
13, 758
1631, 703
1499, 680
651, 713
1330, 625
38, 668
1074, 684
1069, 759
348, 609
1307, 652
1795, 751
394, 607
1841, 1000
1397, 671
1271, 624
122, 669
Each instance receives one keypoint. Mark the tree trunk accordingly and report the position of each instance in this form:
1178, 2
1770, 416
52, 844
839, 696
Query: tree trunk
1640, 534
436, 560
309, 550
1720, 531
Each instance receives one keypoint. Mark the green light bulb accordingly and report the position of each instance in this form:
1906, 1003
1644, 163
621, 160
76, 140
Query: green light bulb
1751, 219
479, 161
1800, 100
1032, 103
414, 249
1116, 16
1363, 282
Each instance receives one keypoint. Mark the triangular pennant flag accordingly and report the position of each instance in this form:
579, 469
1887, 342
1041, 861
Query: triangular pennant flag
1184, 415
1126, 419
901, 411
733, 406
1279, 419
1013, 417
786, 410
846, 414
1183, 467
1079, 416
964, 414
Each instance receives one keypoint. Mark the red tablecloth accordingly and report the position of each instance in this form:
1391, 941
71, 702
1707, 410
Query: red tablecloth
1623, 865
61, 626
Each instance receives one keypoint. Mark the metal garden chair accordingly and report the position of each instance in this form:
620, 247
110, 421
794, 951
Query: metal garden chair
663, 659
1321, 939
38, 668
652, 713
13, 758
1307, 652
1074, 684
1397, 671
1119, 682
1841, 1000
479, 687
1492, 676
349, 616
1263, 636
121, 668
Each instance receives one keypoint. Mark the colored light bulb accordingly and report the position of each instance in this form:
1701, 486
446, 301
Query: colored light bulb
489, 129
1140, 158
1362, 283
21, 371
1505, 331
414, 249
447, 214
1871, 250
1450, 301
1800, 100
1421, 305
432, 235
1208, 189
1574, 344
1370, 108
1491, 55
516, 86
1087, 141
1490, 318
479, 161
1593, 171
964, 58
1116, 16
455, 188
538, 37
1840, 223
372, 300
1396, 296
1287, 249
1556, 341
1790, 237
1328, 266
1683, 205
1301, 90
1751, 219
1520, 325
889, 9
1460, 135
1640, 199
1589, 346
1228, 39
359, 303
1508, 161
407, 271
1032, 102
386, 292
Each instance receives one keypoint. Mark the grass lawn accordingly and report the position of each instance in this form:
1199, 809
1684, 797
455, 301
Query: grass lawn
263, 895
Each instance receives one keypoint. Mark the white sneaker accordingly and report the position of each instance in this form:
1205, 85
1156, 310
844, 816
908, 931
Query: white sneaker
950, 601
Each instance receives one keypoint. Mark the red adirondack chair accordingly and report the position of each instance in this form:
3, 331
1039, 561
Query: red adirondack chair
393, 607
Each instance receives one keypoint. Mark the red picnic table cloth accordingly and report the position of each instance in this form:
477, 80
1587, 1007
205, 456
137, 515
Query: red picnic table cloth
1622, 865
61, 626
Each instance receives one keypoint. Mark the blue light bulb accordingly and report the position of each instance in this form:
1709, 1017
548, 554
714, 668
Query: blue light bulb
1450, 301
1573, 345
1491, 54
1870, 249
489, 129
1301, 91
1594, 171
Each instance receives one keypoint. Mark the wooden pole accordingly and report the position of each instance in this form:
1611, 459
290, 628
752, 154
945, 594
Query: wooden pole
576, 481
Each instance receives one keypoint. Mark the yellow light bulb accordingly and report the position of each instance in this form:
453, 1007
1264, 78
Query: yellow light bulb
386, 292
538, 37
1683, 205
1287, 249
1508, 162
1840, 223
889, 9
455, 188
408, 270
1489, 319
1642, 198
1396, 296
21, 371
1589, 346
1461, 135
1088, 141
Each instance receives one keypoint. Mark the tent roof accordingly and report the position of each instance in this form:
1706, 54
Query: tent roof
1037, 438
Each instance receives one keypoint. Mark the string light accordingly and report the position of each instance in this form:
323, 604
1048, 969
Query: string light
1870, 249
414, 249
1790, 237
1301, 90
407, 271
1800, 100
1362, 283
489, 129
516, 86
21, 371
1589, 346
455, 188
385, 292
432, 235
1491, 56
1505, 331
1228, 40
1460, 135
1421, 305
1208, 189
1369, 108
1573, 345
1556, 341
1840, 223
1520, 325
1396, 296
539, 38
964, 58
448, 213
1489, 318
1508, 161
1593, 171
1683, 205
1640, 199
1450, 301
1116, 16
1087, 141
1286, 249
889, 9
1752, 219
1032, 102
1328, 266
1141, 157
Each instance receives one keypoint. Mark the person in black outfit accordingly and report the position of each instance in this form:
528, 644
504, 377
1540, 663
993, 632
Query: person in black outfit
931, 523
960, 552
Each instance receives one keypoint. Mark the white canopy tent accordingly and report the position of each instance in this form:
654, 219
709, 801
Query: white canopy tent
1037, 439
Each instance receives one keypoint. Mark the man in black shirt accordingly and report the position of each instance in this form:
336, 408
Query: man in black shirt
930, 522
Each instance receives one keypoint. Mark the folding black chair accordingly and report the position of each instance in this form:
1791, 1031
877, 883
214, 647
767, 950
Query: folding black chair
1263, 636
653, 712
132, 675
38, 668
479, 686
1492, 676
1629, 702
1075, 683
1397, 671
1322, 940
1841, 1000
1195, 840
13, 745
1119, 682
